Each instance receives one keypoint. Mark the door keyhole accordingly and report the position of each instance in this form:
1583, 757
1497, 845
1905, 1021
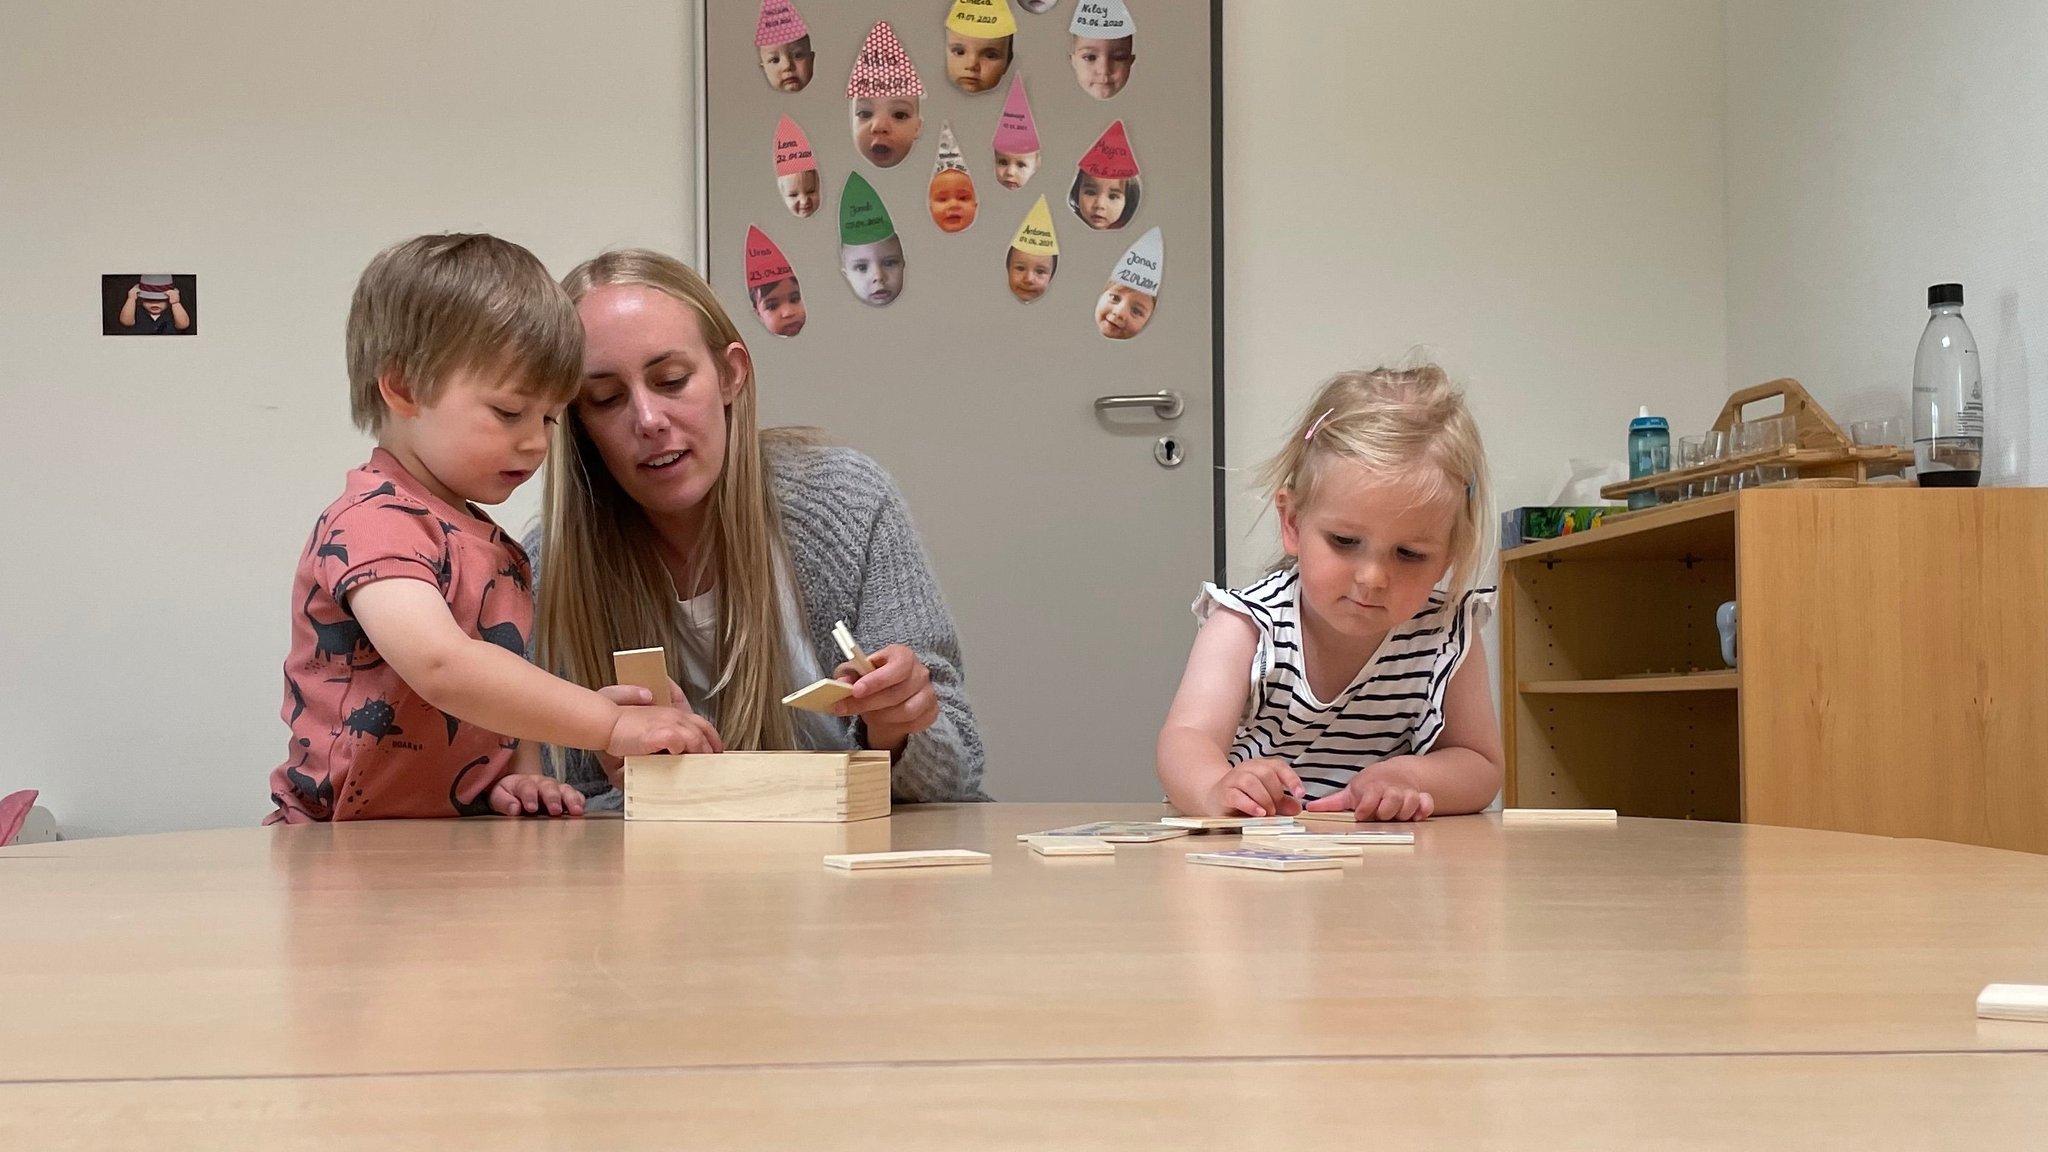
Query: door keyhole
1167, 452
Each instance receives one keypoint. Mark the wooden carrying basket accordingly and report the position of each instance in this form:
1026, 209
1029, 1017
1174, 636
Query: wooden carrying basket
1822, 453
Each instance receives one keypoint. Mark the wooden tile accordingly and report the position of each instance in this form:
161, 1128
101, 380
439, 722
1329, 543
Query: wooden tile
643, 668
935, 858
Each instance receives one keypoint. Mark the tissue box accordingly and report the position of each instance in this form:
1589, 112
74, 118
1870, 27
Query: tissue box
1526, 525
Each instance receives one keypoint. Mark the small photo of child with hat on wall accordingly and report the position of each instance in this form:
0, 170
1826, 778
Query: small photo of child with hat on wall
149, 305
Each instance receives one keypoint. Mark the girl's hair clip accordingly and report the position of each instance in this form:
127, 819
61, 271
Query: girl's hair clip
1327, 413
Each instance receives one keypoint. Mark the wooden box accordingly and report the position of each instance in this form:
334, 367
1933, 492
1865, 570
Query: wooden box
799, 787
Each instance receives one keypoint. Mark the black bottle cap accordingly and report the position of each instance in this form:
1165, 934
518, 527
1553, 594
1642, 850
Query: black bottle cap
1943, 295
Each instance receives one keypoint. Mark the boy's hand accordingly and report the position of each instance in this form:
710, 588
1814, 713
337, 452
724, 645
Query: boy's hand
625, 695
134, 290
521, 795
1257, 788
657, 731
172, 294
1385, 791
628, 695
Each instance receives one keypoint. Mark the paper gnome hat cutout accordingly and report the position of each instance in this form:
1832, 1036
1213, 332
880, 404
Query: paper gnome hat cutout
1111, 158
1017, 129
1103, 20
883, 69
1143, 265
984, 19
793, 149
780, 24
1036, 235
765, 262
862, 217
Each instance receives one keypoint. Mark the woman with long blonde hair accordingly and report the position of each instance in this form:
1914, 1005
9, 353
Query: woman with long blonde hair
672, 520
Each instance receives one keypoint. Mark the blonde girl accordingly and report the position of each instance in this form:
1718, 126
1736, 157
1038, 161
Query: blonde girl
1352, 677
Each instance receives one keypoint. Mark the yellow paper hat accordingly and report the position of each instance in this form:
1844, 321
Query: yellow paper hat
1036, 236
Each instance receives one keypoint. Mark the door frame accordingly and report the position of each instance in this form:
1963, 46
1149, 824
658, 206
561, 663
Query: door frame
1219, 491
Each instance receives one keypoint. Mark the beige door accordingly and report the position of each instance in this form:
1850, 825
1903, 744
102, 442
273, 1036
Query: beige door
1067, 550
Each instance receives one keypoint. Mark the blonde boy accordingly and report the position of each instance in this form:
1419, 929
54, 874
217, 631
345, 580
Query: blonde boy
407, 690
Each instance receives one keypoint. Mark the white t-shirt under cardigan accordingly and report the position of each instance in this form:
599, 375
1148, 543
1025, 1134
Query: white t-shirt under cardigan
1393, 707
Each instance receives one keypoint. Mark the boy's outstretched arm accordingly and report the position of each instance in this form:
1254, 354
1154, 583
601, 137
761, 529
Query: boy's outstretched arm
408, 623
1460, 774
1194, 745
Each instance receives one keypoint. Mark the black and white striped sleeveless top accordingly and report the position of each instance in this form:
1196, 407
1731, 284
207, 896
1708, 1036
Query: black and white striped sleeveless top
1393, 707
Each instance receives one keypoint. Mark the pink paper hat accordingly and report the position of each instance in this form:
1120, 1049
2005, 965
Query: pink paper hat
1111, 158
765, 262
883, 69
1017, 131
792, 149
780, 24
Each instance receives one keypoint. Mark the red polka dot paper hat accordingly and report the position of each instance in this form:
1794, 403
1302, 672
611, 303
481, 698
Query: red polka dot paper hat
883, 69
780, 24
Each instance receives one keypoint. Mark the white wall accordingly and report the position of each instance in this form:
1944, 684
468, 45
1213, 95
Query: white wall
156, 490
1876, 147
1531, 188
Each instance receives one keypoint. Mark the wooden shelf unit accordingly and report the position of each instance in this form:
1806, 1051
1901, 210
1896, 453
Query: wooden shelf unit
1894, 664
1622, 685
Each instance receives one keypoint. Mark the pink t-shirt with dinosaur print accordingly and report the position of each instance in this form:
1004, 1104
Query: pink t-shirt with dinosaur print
363, 745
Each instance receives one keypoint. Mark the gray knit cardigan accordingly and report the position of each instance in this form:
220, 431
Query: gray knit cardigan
857, 558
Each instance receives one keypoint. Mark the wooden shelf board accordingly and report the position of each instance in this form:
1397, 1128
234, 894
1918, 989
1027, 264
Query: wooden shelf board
1719, 681
1703, 528
1812, 458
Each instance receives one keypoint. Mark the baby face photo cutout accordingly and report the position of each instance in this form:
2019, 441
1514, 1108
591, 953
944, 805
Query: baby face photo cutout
887, 99
1017, 147
953, 204
1105, 191
981, 44
1038, 7
772, 290
1132, 296
1105, 45
870, 251
784, 46
1034, 256
796, 169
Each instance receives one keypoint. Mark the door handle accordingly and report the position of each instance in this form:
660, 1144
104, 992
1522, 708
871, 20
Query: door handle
1165, 403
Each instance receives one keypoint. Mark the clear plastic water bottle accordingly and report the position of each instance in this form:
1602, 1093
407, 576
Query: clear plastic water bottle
1948, 396
1649, 452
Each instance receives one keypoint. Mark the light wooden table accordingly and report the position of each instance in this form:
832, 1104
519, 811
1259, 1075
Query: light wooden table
599, 984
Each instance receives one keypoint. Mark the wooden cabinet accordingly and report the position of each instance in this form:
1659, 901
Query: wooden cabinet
1893, 664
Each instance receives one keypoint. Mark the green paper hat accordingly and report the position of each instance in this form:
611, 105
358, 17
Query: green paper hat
862, 218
